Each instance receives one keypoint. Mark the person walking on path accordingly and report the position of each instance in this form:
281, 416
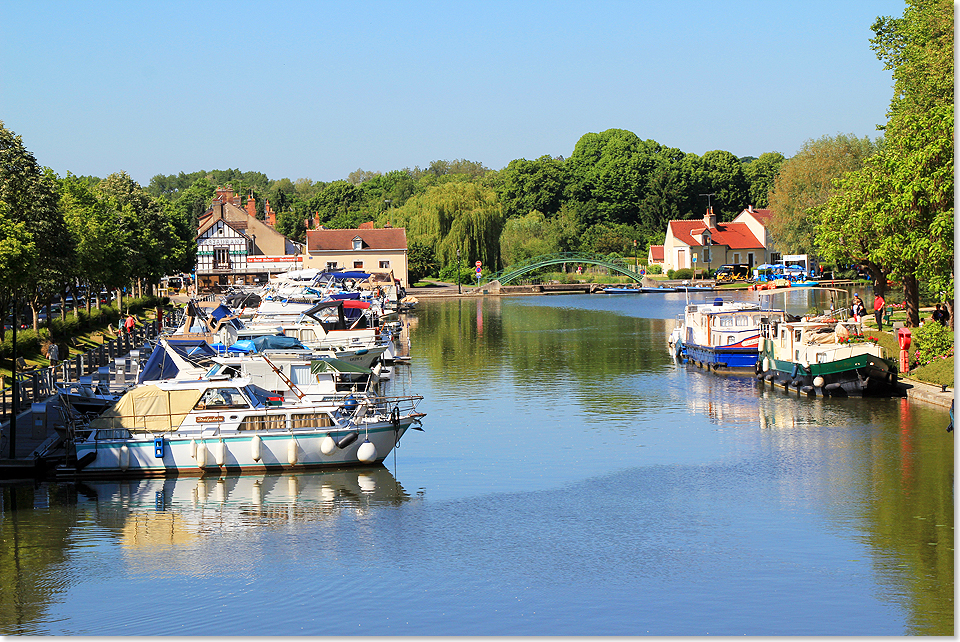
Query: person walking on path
129, 324
53, 354
878, 305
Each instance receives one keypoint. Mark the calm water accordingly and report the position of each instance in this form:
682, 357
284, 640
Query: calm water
572, 480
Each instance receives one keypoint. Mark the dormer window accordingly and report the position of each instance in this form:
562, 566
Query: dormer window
357, 243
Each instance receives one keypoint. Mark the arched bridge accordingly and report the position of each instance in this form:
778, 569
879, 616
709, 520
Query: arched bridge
513, 272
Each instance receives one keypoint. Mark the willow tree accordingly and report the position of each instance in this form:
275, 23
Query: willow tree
453, 216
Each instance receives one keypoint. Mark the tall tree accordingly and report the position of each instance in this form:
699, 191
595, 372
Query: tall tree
29, 195
902, 203
761, 174
804, 184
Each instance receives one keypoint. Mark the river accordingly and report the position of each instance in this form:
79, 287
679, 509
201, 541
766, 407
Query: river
572, 479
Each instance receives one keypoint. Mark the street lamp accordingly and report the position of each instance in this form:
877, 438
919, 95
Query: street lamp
458, 272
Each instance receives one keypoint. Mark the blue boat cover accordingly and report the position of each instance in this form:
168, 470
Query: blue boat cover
267, 342
345, 275
161, 366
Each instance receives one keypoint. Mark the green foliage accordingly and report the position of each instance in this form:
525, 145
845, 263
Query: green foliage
607, 238
525, 237
761, 173
682, 273
896, 213
656, 268
804, 184
449, 274
930, 341
938, 372
421, 261
28, 342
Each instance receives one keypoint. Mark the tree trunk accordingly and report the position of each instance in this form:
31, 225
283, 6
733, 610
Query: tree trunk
911, 299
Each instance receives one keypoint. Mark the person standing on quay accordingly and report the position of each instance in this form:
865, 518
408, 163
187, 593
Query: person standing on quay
129, 323
878, 305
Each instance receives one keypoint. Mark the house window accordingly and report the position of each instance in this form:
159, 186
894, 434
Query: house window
750, 259
706, 255
774, 257
736, 257
357, 244
331, 265
384, 265
221, 257
358, 265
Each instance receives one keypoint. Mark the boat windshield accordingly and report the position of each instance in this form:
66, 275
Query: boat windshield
259, 396
222, 398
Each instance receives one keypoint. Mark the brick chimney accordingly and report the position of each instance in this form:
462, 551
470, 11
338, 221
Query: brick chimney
710, 219
225, 195
271, 216
252, 206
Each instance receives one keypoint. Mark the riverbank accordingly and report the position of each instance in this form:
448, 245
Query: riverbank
912, 388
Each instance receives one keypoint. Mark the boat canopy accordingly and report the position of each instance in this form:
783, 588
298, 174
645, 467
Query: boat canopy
149, 408
343, 276
267, 342
318, 366
161, 365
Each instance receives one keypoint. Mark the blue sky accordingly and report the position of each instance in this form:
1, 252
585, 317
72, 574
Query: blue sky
319, 89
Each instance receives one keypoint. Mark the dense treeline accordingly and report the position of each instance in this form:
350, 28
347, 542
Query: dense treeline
884, 204
614, 189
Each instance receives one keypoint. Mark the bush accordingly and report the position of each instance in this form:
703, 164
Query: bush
27, 343
656, 268
931, 341
468, 275
682, 273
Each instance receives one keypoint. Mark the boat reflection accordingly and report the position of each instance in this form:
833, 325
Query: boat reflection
176, 511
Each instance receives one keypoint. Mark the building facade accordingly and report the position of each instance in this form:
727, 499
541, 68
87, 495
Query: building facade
367, 249
236, 248
704, 244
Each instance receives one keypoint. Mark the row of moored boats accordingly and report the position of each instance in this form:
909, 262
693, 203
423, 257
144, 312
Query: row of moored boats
818, 355
293, 376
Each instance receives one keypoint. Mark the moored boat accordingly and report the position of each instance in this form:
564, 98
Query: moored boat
723, 335
222, 424
825, 356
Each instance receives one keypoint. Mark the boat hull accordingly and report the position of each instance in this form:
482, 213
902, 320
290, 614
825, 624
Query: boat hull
238, 451
864, 375
722, 358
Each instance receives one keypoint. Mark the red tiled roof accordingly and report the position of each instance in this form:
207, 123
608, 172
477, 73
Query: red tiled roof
656, 253
733, 235
763, 216
342, 240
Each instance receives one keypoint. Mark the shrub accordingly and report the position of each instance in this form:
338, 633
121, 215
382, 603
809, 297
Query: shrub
931, 341
468, 275
27, 343
656, 268
670, 273
682, 273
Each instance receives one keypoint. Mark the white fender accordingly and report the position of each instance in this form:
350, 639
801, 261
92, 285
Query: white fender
220, 450
124, 457
327, 445
292, 452
367, 452
201, 454
255, 448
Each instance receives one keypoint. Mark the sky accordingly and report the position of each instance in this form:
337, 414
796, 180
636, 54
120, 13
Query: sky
317, 89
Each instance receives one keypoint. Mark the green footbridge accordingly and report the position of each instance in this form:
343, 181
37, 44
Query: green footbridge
514, 272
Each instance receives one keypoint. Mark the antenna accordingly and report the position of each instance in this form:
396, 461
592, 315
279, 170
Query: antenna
708, 198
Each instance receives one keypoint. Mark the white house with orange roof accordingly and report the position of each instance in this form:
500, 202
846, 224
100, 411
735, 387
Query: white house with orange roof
707, 244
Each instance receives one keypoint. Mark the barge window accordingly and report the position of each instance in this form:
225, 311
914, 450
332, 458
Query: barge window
311, 420
263, 422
